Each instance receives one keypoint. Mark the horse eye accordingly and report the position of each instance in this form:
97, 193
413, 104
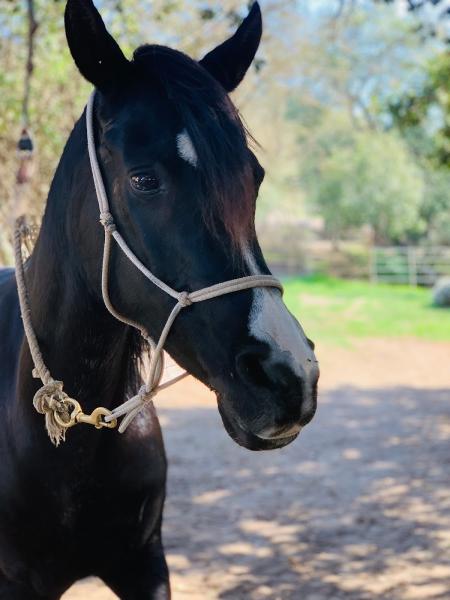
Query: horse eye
145, 183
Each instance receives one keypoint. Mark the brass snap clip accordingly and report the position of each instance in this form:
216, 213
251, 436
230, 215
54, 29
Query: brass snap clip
96, 418
76, 416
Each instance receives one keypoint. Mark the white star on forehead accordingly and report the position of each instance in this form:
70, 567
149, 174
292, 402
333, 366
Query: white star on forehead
186, 148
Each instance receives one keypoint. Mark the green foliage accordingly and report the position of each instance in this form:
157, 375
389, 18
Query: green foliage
354, 172
423, 114
333, 310
365, 177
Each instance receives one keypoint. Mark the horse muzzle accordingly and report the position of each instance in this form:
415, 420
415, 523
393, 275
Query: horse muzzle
268, 403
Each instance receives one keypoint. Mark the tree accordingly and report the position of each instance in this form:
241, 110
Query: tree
433, 16
423, 114
360, 178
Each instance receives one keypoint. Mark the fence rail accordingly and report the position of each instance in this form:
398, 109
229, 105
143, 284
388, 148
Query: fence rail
414, 265
288, 252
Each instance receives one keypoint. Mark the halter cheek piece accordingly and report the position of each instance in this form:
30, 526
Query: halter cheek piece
63, 412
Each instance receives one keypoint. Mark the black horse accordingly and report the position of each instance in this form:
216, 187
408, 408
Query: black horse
182, 184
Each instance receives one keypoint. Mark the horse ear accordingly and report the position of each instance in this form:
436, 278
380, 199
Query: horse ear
228, 63
95, 52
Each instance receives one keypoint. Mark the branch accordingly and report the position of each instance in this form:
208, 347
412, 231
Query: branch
32, 28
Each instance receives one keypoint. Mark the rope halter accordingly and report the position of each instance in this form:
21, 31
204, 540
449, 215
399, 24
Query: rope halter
131, 408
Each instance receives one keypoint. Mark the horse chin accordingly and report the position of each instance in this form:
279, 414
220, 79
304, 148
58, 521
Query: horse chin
249, 440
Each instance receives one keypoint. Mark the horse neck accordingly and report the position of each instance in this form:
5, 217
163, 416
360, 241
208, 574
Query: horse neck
82, 344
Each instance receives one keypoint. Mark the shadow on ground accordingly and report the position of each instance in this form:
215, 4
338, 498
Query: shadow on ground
357, 508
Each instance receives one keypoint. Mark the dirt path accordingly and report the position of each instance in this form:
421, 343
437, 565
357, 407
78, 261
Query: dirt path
357, 508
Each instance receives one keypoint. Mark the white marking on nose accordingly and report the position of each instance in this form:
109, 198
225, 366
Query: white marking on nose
186, 148
271, 322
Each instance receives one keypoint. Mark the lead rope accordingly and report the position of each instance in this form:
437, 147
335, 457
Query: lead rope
62, 411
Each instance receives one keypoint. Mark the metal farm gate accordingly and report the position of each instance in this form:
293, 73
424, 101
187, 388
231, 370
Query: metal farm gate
413, 265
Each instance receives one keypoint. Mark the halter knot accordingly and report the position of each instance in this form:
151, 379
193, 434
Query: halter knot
49, 400
145, 395
107, 220
184, 299
142, 393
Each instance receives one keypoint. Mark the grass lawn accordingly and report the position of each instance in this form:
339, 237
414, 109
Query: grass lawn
336, 310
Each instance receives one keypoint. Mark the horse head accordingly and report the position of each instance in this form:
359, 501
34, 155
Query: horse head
182, 184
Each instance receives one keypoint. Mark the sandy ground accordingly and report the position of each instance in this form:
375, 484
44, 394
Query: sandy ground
357, 508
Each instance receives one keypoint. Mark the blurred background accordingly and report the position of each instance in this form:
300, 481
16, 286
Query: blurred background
349, 102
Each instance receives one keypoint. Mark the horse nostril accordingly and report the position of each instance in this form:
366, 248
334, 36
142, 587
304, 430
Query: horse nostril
258, 369
284, 398
250, 367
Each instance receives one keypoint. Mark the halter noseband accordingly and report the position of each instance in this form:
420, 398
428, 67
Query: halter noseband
129, 409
